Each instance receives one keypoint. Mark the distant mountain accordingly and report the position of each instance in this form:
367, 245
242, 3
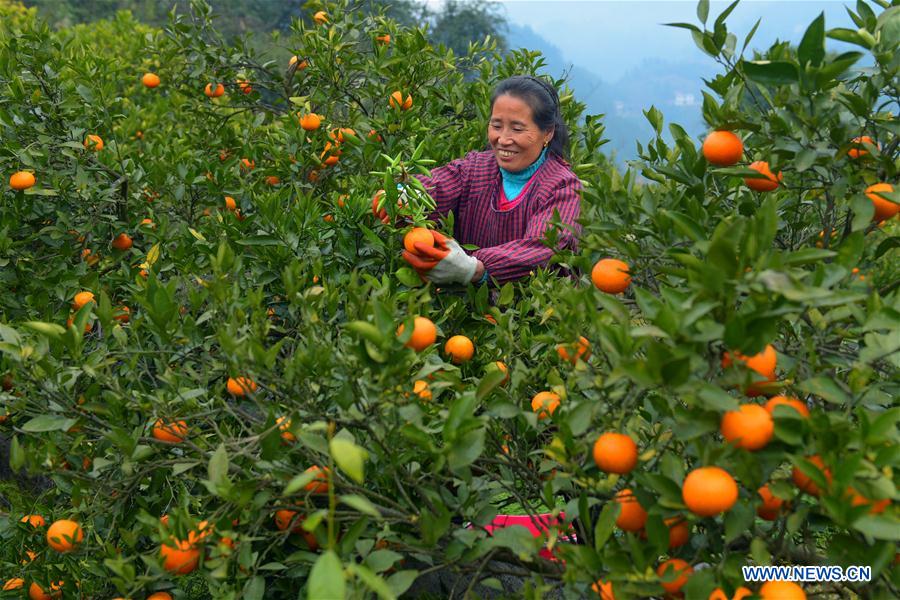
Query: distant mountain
672, 86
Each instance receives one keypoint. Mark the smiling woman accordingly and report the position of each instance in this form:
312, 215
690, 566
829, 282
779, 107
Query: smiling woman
504, 198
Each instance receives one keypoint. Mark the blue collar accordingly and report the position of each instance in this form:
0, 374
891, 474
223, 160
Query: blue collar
520, 178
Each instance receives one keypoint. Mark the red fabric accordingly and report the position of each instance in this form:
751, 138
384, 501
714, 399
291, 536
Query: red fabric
537, 526
509, 241
505, 203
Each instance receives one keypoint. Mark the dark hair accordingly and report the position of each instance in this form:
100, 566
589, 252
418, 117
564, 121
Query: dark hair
543, 100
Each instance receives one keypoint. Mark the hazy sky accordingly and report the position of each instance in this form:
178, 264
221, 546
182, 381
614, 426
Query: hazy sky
610, 37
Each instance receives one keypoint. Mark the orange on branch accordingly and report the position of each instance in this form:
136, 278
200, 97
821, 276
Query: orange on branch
545, 404
676, 571
214, 92
804, 482
179, 556
749, 427
722, 148
122, 241
781, 590
150, 80
632, 515
419, 235
615, 453
424, 334
82, 298
763, 185
582, 350
611, 275
794, 403
399, 101
240, 386
884, 209
459, 348
771, 505
709, 491
93, 142
64, 535
21, 180
173, 432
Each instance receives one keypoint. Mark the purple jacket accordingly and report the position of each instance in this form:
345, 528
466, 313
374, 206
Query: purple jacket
509, 242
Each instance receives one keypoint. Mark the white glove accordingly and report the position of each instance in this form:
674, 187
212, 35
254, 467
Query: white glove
455, 267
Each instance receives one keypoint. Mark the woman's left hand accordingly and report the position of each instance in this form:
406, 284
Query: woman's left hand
444, 263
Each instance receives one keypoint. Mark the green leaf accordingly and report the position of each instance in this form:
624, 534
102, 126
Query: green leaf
218, 466
738, 520
808, 256
327, 579
466, 449
493, 377
401, 581
49, 329
349, 457
703, 10
259, 240
361, 504
372, 581
605, 524
850, 36
408, 277
298, 482
16, 454
880, 527
45, 423
812, 46
255, 588
771, 72
366, 330
825, 388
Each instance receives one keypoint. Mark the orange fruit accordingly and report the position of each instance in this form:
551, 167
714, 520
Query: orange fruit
797, 405
310, 122
781, 590
148, 223
722, 148
160, 596
122, 314
214, 92
374, 135
582, 351
82, 298
122, 242
611, 275
397, 100
172, 432
805, 482
179, 556
771, 505
383, 39
763, 363
876, 507
856, 152
21, 180
884, 209
708, 491
381, 213
283, 520
273, 180
93, 142
284, 425
763, 185
328, 218
545, 404
421, 389
247, 164
460, 348
320, 17
302, 63
33, 520
319, 484
632, 515
16, 583
71, 321
679, 531
739, 594
150, 80
749, 427
230, 204
677, 568
416, 235
244, 86
36, 592
331, 160
64, 535
501, 366
424, 334
604, 589
615, 453
240, 386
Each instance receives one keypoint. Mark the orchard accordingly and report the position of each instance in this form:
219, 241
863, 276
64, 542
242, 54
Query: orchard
221, 380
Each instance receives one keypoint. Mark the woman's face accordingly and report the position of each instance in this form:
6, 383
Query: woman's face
514, 137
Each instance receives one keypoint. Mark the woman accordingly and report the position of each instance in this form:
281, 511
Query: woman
504, 198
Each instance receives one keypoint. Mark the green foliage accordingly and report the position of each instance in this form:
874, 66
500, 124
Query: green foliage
308, 307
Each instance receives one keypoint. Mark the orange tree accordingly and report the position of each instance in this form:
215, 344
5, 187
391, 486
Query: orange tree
234, 404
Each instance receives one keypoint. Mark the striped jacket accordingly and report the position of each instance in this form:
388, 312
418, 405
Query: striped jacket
509, 241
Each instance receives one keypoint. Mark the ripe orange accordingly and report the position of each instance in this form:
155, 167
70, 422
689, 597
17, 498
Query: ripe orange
722, 148
16, 583
781, 590
122, 314
771, 505
214, 92
460, 348
708, 491
310, 121
340, 134
421, 389
763, 363
302, 63
749, 427
806, 483
319, 484
424, 334
64, 535
320, 17
93, 142
611, 275
374, 135
739, 594
71, 321
179, 556
21, 180
884, 209
679, 531
615, 453
797, 405
416, 235
604, 589
82, 298
230, 204
545, 404
150, 80
122, 242
677, 568
763, 185
632, 515
583, 350
273, 180
284, 425
240, 386
33, 520
244, 86
283, 520
36, 592
148, 223
876, 507
383, 39
856, 152
160, 596
397, 100
247, 164
172, 432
